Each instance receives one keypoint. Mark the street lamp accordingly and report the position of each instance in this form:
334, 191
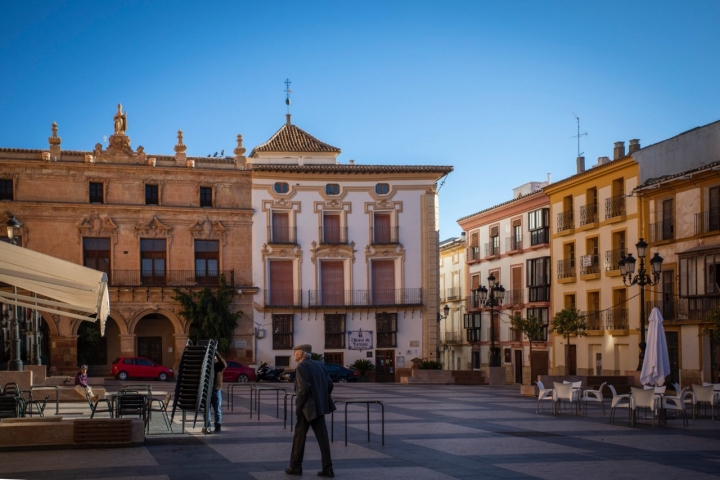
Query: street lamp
442, 317
16, 363
491, 297
627, 269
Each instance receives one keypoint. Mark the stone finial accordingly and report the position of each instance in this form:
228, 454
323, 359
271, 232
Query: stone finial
239, 152
54, 141
180, 148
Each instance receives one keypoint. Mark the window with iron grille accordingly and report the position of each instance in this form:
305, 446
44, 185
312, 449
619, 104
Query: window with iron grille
6, 189
282, 331
282, 361
151, 195
334, 331
206, 196
386, 330
96, 192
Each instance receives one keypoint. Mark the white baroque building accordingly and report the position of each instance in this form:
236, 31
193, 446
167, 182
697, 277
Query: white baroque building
345, 255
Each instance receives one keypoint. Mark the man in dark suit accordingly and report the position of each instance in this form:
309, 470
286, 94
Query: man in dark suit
312, 402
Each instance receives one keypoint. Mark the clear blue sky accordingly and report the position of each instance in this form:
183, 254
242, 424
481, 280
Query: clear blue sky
488, 87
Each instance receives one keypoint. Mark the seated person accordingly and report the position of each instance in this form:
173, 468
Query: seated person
81, 385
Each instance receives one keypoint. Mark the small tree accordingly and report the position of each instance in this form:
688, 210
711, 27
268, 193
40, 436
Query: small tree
712, 330
362, 366
317, 356
210, 314
430, 365
532, 327
567, 322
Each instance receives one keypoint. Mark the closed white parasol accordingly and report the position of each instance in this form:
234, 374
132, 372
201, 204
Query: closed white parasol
656, 365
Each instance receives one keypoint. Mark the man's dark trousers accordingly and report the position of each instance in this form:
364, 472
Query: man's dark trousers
301, 429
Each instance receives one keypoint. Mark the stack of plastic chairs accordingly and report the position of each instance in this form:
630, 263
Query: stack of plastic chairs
195, 379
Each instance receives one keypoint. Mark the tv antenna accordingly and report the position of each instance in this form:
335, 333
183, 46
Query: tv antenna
287, 93
578, 134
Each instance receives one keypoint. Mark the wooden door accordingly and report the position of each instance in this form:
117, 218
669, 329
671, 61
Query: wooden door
385, 366
518, 366
673, 345
150, 347
540, 361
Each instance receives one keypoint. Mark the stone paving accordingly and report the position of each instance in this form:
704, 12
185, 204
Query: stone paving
431, 432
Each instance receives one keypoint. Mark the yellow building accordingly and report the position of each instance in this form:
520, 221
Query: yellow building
455, 353
594, 223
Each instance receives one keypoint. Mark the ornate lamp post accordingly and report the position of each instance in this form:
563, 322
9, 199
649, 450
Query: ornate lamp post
16, 363
441, 317
627, 269
492, 297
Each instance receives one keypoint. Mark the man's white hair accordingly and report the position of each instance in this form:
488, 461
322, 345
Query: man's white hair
306, 355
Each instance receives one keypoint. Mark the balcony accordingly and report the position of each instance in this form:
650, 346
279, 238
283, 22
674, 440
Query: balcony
617, 319
662, 230
283, 298
588, 215
539, 236
566, 268
514, 297
539, 294
452, 294
614, 206
452, 338
364, 298
707, 221
668, 309
333, 235
513, 244
473, 302
384, 235
589, 264
169, 278
594, 320
697, 308
492, 248
473, 253
282, 235
612, 258
565, 221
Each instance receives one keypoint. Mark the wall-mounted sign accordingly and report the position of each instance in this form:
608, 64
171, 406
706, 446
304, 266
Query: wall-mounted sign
360, 340
586, 260
414, 343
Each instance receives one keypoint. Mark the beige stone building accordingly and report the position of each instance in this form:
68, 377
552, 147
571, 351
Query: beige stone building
153, 223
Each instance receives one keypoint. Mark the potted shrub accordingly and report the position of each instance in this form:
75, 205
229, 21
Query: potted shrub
362, 366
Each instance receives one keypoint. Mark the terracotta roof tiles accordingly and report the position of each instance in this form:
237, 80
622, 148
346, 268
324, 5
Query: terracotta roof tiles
293, 139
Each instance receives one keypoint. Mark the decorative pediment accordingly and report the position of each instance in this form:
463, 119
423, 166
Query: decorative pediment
269, 251
338, 252
119, 149
209, 229
97, 225
153, 228
397, 250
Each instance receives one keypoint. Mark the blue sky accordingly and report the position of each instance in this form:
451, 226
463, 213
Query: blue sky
488, 87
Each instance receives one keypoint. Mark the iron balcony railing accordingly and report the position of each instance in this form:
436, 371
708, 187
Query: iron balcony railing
364, 298
174, 278
662, 230
697, 308
473, 301
668, 308
565, 221
615, 206
566, 268
539, 294
707, 221
452, 338
384, 235
593, 319
452, 293
514, 297
513, 243
589, 264
540, 236
473, 253
282, 235
612, 258
588, 214
617, 319
283, 298
333, 235
492, 248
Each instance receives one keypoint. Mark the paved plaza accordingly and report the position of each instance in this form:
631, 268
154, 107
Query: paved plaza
431, 432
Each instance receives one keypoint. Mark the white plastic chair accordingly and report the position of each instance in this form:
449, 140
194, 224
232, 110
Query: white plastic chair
565, 391
703, 394
642, 398
675, 403
544, 394
618, 401
595, 396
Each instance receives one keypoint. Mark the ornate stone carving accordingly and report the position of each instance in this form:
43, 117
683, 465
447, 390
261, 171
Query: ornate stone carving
153, 228
180, 150
120, 120
54, 141
206, 228
240, 159
340, 252
97, 225
119, 149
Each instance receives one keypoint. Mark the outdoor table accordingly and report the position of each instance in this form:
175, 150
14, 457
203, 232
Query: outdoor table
292, 396
367, 402
146, 387
57, 395
256, 390
230, 401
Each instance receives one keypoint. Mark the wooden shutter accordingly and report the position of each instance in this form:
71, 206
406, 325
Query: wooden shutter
281, 282
382, 228
280, 227
332, 281
383, 282
332, 228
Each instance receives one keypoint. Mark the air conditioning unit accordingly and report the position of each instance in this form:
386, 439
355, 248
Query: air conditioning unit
260, 332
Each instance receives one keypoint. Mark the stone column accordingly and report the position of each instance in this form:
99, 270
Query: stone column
127, 345
180, 342
63, 353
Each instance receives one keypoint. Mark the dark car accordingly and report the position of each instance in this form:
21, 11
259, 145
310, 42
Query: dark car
139, 367
340, 374
237, 372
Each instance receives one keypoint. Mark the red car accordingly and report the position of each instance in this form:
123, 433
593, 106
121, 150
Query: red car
237, 372
139, 367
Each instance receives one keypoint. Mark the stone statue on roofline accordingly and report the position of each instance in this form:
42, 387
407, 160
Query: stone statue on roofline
120, 121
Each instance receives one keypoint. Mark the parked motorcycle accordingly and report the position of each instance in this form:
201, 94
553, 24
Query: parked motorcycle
267, 374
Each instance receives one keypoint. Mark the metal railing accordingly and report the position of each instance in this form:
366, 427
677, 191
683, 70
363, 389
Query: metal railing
707, 221
174, 278
385, 235
473, 253
668, 309
615, 206
540, 236
452, 338
662, 230
282, 235
566, 268
513, 243
333, 235
565, 221
612, 258
491, 249
594, 319
539, 294
363, 298
473, 302
593, 267
617, 319
283, 298
514, 297
452, 293
588, 214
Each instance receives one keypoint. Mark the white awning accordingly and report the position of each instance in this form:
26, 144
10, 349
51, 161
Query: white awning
62, 287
